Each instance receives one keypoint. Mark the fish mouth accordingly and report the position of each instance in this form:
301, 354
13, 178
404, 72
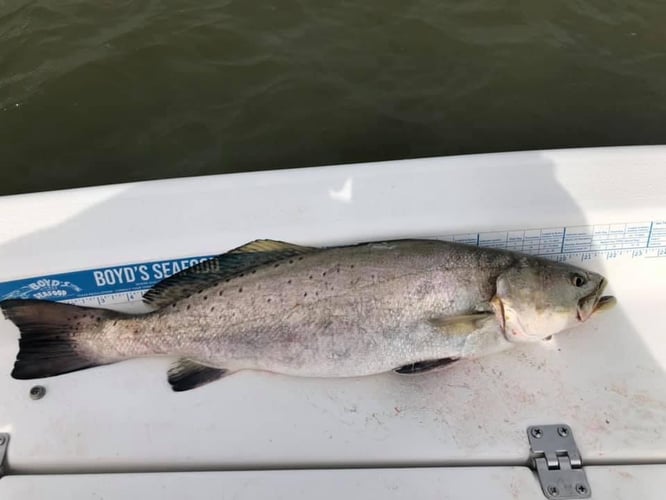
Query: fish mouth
498, 307
594, 302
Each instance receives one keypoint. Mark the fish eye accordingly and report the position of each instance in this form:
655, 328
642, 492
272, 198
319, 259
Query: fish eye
578, 280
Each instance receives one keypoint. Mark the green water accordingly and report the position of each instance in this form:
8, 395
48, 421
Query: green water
114, 91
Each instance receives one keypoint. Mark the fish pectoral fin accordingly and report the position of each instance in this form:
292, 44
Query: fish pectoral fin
227, 265
186, 374
462, 324
424, 366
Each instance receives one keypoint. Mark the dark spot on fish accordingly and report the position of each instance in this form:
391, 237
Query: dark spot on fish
305, 294
242, 274
289, 282
352, 266
227, 280
372, 276
317, 294
188, 307
173, 305
136, 332
98, 319
200, 291
276, 265
300, 258
240, 290
221, 292
254, 271
268, 299
212, 309
337, 270
324, 273
291, 261
205, 297
114, 323
310, 276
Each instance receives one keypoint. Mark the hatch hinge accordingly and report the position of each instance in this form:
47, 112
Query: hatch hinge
557, 462
4, 442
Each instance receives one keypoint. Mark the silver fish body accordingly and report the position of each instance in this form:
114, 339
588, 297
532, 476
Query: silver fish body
344, 311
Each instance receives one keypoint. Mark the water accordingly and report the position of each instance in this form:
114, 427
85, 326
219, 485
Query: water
112, 91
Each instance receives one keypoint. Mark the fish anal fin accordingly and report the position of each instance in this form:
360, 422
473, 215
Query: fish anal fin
217, 269
186, 374
424, 366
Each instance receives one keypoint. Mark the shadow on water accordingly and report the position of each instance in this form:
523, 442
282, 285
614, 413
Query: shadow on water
600, 378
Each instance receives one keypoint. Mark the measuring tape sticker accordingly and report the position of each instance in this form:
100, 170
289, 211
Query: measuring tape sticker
578, 243
128, 283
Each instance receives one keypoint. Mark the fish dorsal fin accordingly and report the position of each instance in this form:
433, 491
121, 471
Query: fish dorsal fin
225, 266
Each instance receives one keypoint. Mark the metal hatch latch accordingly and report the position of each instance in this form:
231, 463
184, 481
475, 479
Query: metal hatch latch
4, 441
557, 462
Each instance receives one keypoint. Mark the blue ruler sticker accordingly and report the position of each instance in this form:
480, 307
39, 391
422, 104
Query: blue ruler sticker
128, 283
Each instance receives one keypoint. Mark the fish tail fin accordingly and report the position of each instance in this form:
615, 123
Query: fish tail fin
48, 342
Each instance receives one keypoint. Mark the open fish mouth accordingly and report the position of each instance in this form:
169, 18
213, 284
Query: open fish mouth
594, 303
604, 303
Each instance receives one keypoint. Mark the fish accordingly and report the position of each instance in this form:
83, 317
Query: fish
409, 306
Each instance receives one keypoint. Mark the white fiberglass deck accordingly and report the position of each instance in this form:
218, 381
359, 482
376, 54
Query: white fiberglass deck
602, 208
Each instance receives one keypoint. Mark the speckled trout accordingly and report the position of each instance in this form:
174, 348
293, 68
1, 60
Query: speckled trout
409, 306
